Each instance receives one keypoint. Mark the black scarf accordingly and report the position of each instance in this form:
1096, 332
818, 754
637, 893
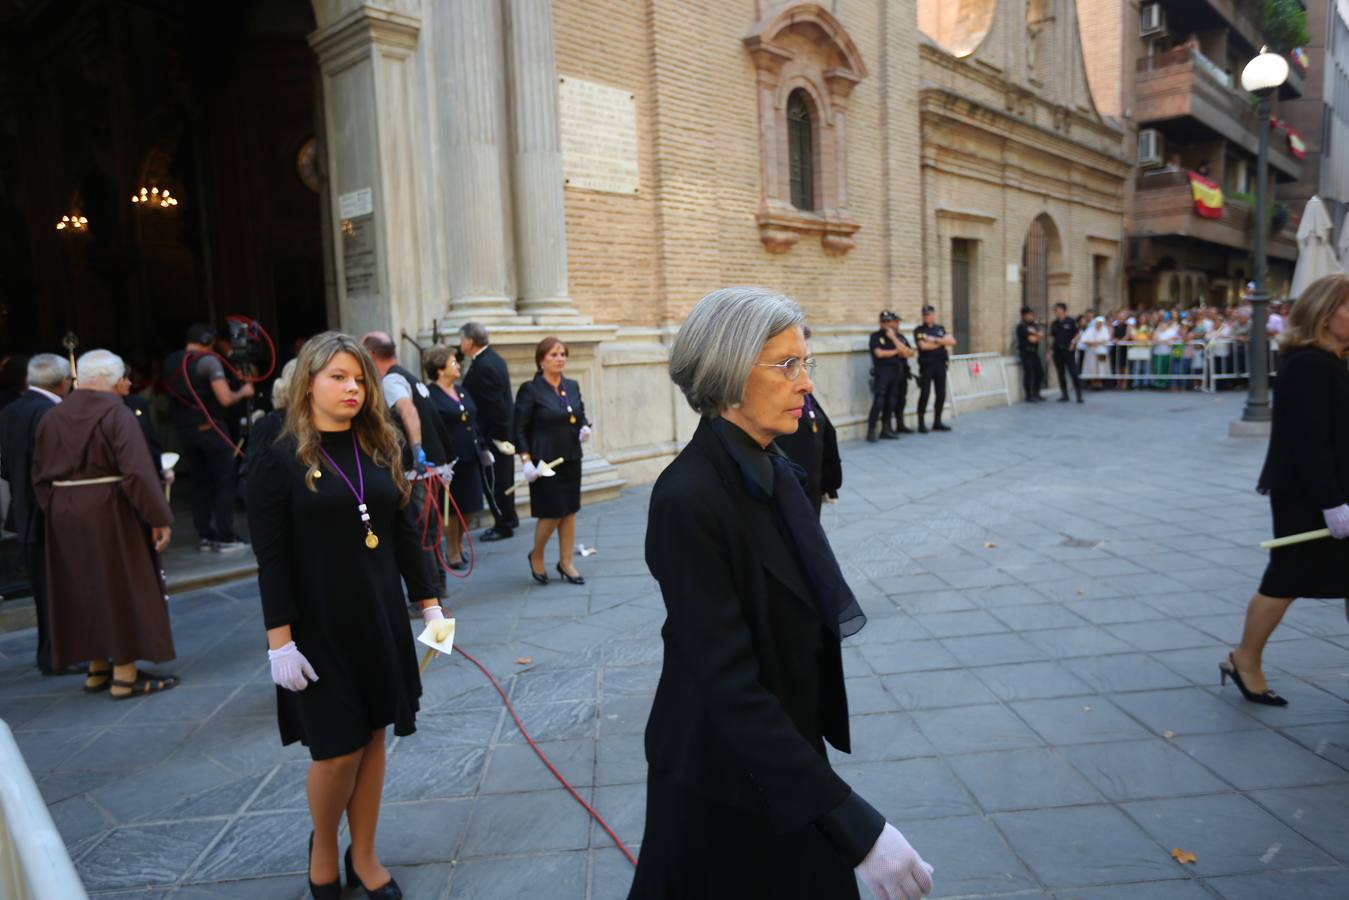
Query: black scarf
838, 608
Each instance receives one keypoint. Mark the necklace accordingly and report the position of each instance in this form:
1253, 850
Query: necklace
561, 392
371, 539
459, 402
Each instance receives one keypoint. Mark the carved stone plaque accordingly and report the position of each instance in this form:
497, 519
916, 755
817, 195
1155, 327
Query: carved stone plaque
359, 265
599, 136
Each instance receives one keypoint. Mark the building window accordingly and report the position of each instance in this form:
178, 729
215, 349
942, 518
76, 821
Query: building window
806, 66
801, 151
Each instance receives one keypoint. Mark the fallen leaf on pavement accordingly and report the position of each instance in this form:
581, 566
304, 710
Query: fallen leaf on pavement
1081, 592
989, 545
1182, 856
1169, 735
523, 660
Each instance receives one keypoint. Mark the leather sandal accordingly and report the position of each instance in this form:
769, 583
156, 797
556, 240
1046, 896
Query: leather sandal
145, 683
102, 685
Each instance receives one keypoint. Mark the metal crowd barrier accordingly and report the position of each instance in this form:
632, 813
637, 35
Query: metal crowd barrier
1204, 364
974, 376
34, 864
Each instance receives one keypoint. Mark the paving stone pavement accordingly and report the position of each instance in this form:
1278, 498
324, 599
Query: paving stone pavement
1035, 701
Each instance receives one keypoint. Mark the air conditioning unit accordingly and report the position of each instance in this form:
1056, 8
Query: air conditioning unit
1149, 148
1151, 20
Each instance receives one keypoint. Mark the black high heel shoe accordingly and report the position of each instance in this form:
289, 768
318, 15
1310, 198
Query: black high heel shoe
330, 891
570, 579
390, 891
1229, 670
541, 579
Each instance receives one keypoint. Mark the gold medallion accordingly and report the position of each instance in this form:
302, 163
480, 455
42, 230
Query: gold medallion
814, 427
463, 417
371, 540
572, 420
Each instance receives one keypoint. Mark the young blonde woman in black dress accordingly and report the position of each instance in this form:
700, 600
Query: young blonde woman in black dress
335, 541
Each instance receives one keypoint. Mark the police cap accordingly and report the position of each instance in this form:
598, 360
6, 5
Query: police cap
1026, 311
928, 309
888, 316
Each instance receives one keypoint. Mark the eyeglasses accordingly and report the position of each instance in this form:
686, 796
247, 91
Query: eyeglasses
792, 367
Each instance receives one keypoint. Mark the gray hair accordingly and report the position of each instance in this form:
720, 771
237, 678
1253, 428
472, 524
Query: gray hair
476, 333
99, 367
720, 340
47, 370
282, 384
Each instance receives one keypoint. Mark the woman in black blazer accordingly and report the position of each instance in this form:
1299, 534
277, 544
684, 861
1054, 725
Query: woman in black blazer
466, 447
1306, 476
551, 424
741, 798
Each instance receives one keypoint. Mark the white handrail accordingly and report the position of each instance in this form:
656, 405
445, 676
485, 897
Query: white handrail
34, 864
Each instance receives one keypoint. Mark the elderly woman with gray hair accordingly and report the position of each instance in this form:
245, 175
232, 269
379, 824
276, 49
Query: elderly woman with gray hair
106, 519
741, 798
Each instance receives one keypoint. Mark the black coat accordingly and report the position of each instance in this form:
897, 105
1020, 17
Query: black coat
543, 427
815, 449
145, 419
488, 382
750, 689
1308, 457
18, 432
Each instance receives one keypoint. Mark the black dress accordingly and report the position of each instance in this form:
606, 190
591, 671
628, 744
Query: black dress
814, 447
548, 427
343, 601
461, 423
1306, 471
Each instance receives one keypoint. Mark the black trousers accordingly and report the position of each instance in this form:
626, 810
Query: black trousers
932, 378
1032, 373
504, 516
214, 482
885, 388
1066, 360
35, 561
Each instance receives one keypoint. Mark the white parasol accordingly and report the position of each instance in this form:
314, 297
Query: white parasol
1316, 253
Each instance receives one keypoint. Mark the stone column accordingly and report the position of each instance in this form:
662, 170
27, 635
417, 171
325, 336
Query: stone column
468, 96
369, 77
540, 219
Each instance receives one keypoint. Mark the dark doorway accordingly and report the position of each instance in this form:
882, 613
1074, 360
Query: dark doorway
962, 264
214, 107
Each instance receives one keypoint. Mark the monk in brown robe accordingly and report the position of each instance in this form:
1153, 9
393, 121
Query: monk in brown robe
106, 521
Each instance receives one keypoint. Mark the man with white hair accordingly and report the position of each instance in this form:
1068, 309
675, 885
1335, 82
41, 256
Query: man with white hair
106, 519
48, 382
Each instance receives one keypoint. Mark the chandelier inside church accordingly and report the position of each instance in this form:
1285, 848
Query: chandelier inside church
154, 197
74, 223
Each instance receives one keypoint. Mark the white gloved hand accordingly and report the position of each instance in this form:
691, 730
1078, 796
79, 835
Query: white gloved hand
585, 433
1337, 520
531, 472
290, 668
893, 870
432, 614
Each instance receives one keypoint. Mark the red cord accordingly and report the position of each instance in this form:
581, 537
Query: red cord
431, 512
535, 747
254, 330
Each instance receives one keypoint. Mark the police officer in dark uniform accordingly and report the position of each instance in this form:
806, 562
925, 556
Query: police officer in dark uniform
1028, 335
890, 352
934, 346
1062, 332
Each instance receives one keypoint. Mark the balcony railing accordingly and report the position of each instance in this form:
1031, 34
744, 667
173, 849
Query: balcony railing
1183, 83
1164, 205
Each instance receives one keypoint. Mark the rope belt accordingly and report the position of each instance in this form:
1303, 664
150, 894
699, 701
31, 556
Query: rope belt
107, 479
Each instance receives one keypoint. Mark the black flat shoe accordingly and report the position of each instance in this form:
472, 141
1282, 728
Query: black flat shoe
940, 427
1229, 670
390, 891
330, 891
570, 579
459, 566
540, 578
495, 534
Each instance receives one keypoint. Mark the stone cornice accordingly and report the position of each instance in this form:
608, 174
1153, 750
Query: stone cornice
348, 40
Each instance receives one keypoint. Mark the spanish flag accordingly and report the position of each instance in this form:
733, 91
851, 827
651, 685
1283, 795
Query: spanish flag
1208, 197
1296, 145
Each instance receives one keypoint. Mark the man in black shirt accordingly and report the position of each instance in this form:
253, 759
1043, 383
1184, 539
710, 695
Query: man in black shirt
933, 356
889, 361
1028, 337
1062, 332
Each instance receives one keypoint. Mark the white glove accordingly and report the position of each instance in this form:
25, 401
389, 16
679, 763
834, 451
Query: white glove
1337, 520
432, 613
585, 433
486, 458
290, 668
893, 870
531, 472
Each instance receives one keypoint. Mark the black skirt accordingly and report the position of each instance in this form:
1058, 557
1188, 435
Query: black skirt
1317, 568
694, 846
559, 496
466, 486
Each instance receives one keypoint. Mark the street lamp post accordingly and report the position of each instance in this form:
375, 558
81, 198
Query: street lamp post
1262, 76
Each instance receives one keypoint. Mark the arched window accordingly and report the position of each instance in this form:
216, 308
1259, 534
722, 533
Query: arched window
800, 147
801, 150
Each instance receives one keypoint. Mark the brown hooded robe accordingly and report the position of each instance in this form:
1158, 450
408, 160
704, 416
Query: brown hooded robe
106, 598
